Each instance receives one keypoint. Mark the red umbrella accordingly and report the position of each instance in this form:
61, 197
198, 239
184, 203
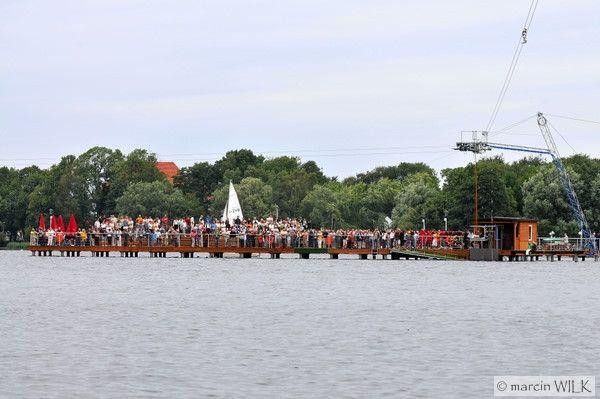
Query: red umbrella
61, 223
72, 227
53, 222
42, 223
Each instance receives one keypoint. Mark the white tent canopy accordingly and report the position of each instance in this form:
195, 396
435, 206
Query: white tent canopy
233, 209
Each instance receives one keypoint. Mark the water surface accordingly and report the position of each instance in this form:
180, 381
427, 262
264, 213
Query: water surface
289, 328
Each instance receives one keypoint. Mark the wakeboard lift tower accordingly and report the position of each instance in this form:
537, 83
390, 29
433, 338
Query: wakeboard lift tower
480, 144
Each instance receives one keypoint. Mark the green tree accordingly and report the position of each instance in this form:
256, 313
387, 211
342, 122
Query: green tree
269, 168
350, 201
495, 198
321, 206
398, 172
416, 200
155, 199
588, 170
139, 166
544, 199
357, 205
592, 211
380, 196
517, 174
234, 164
96, 171
15, 189
201, 180
90, 184
64, 190
291, 181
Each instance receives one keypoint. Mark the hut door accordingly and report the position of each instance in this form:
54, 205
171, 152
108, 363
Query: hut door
506, 236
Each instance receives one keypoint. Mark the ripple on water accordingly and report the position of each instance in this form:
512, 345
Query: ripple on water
112, 327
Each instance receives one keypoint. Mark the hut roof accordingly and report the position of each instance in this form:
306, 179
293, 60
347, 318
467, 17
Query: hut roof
169, 169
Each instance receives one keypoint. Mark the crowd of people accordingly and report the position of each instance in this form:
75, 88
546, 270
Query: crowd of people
268, 232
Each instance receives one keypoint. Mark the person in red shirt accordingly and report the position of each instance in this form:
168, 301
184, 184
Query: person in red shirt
165, 220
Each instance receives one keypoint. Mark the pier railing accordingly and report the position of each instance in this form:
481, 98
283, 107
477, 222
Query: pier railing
267, 240
566, 244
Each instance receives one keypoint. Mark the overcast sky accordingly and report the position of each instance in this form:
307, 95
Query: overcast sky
350, 84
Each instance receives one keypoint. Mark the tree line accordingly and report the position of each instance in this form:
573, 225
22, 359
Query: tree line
103, 181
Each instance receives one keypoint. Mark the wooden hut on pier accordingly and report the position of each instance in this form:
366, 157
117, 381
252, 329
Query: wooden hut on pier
513, 233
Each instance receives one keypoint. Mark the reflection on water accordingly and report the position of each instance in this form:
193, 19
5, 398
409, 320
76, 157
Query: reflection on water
113, 327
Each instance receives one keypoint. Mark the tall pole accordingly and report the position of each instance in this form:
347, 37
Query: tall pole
476, 194
445, 220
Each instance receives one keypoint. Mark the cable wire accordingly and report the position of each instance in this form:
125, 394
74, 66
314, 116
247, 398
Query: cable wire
574, 119
303, 151
340, 151
511, 126
513, 64
561, 136
355, 154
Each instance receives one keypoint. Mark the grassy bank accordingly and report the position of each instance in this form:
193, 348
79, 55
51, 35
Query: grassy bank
15, 246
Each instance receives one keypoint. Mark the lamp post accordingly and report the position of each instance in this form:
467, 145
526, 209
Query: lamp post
445, 220
276, 211
423, 220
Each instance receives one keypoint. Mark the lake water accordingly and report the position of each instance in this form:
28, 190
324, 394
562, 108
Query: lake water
289, 328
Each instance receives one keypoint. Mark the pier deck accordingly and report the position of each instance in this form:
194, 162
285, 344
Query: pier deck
549, 255
189, 251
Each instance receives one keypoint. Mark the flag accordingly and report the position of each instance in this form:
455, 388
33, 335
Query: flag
42, 222
72, 227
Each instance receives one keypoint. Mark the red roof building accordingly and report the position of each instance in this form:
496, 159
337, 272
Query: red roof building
169, 169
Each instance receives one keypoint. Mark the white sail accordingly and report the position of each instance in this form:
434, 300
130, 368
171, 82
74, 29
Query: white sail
233, 209
388, 222
224, 218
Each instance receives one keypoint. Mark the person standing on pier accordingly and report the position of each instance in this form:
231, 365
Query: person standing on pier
50, 236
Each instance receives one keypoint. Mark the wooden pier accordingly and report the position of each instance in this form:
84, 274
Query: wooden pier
213, 251
575, 255
188, 251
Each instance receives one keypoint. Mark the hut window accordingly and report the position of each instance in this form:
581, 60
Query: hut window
530, 232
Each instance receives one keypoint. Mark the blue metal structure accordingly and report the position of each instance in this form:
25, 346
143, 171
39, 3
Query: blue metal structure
480, 145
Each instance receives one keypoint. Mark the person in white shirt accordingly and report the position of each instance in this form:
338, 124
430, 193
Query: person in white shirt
50, 235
